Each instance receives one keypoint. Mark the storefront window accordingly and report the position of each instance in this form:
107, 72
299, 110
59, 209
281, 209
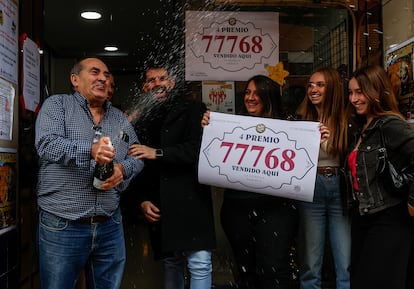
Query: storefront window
309, 38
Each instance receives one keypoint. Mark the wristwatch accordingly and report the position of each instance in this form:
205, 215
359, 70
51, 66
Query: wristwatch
159, 153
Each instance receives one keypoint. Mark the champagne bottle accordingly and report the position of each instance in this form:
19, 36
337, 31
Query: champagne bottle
102, 172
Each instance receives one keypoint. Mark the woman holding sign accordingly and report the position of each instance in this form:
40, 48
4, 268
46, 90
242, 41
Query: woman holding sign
260, 228
325, 102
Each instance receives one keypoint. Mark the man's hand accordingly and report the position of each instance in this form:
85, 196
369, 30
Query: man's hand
102, 151
150, 211
116, 178
410, 210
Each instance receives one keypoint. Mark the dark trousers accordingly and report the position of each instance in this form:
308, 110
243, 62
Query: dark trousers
410, 271
260, 233
380, 249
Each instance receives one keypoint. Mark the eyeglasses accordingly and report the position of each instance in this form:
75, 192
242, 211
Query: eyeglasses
319, 84
154, 79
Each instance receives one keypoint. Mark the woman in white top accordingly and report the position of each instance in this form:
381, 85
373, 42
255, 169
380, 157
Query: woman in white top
325, 102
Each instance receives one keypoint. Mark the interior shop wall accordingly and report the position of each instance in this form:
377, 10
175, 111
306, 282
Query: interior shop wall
397, 17
8, 156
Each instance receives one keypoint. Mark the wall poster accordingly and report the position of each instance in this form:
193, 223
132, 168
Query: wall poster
399, 66
7, 93
31, 75
9, 44
8, 166
219, 96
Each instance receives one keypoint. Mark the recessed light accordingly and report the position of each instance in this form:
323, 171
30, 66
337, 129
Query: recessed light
91, 15
111, 48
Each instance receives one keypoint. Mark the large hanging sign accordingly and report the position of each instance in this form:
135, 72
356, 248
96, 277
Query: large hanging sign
230, 45
262, 155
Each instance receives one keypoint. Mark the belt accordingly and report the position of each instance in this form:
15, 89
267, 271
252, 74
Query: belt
328, 171
93, 219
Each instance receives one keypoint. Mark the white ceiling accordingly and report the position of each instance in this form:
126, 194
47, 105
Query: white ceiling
139, 27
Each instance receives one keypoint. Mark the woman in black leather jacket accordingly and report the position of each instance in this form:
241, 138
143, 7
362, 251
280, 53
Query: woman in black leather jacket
382, 230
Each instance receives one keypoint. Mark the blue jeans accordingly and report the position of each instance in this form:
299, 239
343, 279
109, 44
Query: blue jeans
67, 247
324, 213
199, 266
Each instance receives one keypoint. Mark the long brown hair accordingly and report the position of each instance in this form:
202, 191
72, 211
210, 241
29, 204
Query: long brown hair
376, 86
332, 110
269, 92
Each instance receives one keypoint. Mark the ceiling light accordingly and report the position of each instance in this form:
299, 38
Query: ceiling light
111, 48
91, 15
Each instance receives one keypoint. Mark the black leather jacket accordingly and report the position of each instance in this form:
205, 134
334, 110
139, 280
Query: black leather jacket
399, 139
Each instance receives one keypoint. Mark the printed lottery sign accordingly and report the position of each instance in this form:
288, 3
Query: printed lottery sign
261, 155
230, 45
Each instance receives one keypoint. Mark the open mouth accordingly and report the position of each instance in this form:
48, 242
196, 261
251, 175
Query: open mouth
100, 86
159, 89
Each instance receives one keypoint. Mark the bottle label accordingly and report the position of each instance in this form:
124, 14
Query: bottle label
97, 183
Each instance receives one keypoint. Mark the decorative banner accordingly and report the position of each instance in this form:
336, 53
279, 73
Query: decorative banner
230, 45
219, 96
262, 155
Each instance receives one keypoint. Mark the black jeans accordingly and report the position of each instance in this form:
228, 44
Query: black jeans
261, 232
380, 248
